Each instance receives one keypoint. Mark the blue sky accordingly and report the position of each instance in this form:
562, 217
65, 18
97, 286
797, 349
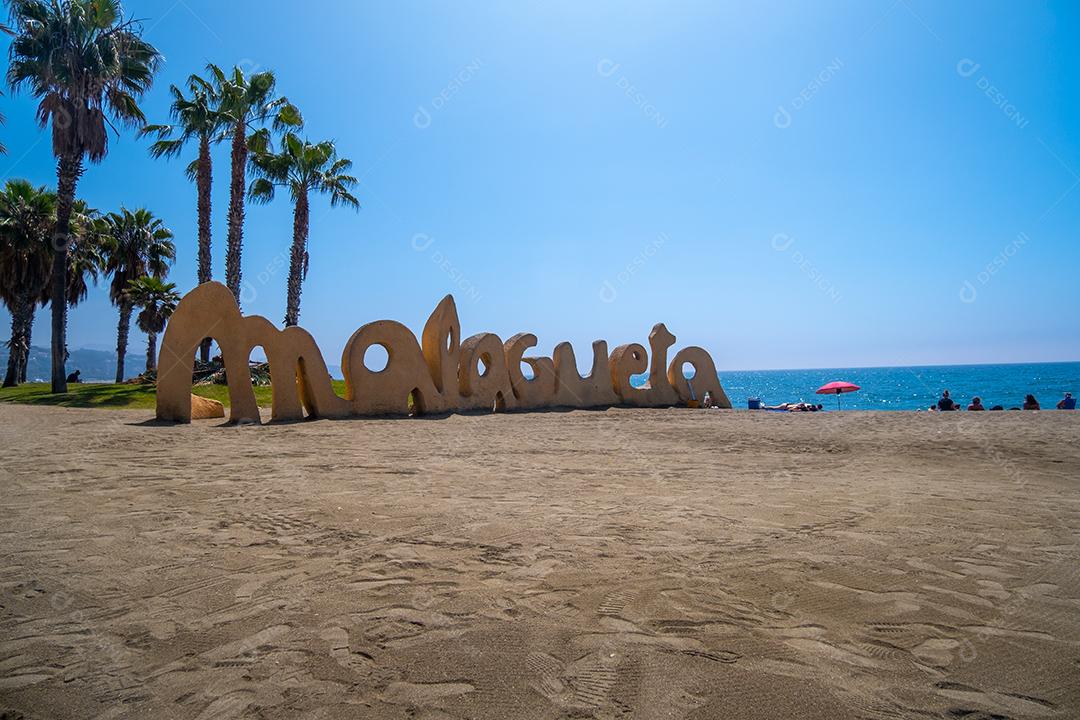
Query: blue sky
786, 184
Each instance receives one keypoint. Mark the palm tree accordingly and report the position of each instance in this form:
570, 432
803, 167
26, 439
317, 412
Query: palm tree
26, 270
85, 63
86, 258
26, 221
86, 253
158, 300
245, 103
139, 245
303, 168
197, 119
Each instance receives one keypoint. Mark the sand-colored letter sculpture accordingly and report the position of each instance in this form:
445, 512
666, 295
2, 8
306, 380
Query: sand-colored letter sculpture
440, 374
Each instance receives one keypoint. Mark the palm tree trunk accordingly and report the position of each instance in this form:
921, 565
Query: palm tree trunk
122, 338
203, 182
11, 377
68, 170
16, 350
151, 351
237, 190
297, 259
22, 322
24, 362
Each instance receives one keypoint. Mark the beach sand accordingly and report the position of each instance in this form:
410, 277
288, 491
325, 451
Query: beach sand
609, 564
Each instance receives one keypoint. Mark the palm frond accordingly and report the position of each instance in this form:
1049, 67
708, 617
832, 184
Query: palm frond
261, 191
87, 65
140, 244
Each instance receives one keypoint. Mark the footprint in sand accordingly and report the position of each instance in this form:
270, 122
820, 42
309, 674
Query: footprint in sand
227, 706
421, 694
938, 652
614, 603
402, 626
809, 639
582, 685
721, 656
592, 678
547, 680
996, 702
338, 639
13, 682
245, 650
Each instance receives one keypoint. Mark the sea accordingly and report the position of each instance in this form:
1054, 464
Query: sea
908, 388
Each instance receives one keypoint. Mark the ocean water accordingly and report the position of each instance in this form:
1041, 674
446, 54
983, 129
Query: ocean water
909, 388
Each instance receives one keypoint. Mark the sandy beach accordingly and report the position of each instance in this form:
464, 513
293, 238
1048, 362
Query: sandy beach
609, 564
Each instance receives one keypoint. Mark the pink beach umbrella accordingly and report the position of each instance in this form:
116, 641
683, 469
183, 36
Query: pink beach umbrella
837, 388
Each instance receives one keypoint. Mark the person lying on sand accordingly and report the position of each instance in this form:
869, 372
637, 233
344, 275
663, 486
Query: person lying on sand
1067, 403
795, 407
1030, 403
976, 404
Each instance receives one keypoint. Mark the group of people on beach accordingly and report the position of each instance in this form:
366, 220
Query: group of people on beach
708, 402
946, 404
795, 407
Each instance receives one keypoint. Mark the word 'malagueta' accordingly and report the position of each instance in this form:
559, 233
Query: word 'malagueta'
439, 374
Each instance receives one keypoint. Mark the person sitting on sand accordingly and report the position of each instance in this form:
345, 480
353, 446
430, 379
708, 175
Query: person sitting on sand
997, 407
1030, 403
946, 402
74, 377
1067, 403
976, 404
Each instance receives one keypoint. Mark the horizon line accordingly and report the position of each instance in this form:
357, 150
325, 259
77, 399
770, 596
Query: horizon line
771, 369
901, 367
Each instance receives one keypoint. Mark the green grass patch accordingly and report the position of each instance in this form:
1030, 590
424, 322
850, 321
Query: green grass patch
86, 395
122, 397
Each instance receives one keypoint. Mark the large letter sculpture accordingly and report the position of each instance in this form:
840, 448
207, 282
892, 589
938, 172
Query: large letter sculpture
441, 374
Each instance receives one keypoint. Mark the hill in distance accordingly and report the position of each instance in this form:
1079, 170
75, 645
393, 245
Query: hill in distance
96, 365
